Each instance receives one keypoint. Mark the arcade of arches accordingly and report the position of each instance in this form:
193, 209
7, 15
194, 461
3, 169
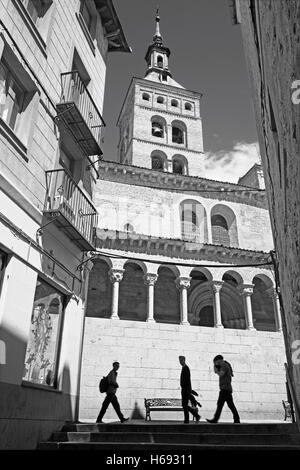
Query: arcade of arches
164, 296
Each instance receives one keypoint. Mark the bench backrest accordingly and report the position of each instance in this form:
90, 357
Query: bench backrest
162, 402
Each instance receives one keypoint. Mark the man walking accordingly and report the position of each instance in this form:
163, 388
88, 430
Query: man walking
186, 389
111, 395
225, 373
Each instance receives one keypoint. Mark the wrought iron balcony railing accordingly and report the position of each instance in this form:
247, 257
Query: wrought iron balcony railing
74, 213
190, 232
79, 112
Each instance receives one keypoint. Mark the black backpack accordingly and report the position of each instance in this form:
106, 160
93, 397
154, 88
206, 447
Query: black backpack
103, 385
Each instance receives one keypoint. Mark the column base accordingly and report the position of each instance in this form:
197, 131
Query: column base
150, 320
251, 328
219, 326
185, 323
115, 317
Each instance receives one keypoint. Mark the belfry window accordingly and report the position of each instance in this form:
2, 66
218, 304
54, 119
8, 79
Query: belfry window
160, 62
188, 106
174, 103
157, 129
178, 167
177, 135
157, 163
160, 99
146, 97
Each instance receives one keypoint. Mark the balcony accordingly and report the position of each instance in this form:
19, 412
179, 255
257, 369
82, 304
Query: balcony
80, 114
190, 232
74, 213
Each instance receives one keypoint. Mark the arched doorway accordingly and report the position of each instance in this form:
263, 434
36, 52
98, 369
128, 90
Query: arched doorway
262, 304
99, 296
200, 299
133, 294
232, 308
166, 297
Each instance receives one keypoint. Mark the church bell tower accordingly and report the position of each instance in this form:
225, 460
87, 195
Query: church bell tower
160, 124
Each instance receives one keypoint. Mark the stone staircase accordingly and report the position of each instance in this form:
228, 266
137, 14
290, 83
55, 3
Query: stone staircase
164, 436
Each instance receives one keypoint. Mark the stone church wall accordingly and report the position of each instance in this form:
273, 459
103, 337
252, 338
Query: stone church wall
157, 213
148, 354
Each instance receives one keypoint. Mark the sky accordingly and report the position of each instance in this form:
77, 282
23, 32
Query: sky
206, 56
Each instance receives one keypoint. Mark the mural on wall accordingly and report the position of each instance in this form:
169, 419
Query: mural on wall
40, 361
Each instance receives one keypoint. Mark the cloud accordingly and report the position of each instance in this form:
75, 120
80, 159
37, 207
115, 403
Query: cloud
230, 165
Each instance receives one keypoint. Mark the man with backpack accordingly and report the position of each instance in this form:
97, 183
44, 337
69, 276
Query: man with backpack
225, 373
110, 386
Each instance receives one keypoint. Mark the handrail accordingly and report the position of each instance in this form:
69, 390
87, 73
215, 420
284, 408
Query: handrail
66, 197
294, 403
75, 184
87, 91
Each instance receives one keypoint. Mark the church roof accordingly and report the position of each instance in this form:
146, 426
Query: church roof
177, 248
140, 176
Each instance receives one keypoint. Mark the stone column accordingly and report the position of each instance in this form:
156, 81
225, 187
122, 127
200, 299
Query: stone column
277, 310
150, 280
216, 287
246, 290
116, 276
183, 283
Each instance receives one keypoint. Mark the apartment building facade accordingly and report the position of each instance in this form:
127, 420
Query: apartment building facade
53, 57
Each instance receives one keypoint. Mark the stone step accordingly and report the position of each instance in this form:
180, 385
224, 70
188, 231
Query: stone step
178, 438
174, 427
173, 447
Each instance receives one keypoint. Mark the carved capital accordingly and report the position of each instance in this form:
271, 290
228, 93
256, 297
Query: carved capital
216, 286
116, 275
150, 279
183, 282
246, 290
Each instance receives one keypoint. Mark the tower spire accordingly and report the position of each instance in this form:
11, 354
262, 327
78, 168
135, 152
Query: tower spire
157, 38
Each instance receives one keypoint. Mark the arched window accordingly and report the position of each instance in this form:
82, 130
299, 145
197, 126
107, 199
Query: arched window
157, 163
178, 167
179, 132
177, 135
158, 160
174, 103
192, 214
157, 129
146, 96
264, 317
224, 226
188, 106
160, 99
160, 61
220, 233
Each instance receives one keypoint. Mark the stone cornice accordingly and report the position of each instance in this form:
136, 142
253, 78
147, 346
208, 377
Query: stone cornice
177, 248
161, 144
152, 109
166, 87
138, 176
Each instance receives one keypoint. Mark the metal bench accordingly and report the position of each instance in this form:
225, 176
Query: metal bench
163, 404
